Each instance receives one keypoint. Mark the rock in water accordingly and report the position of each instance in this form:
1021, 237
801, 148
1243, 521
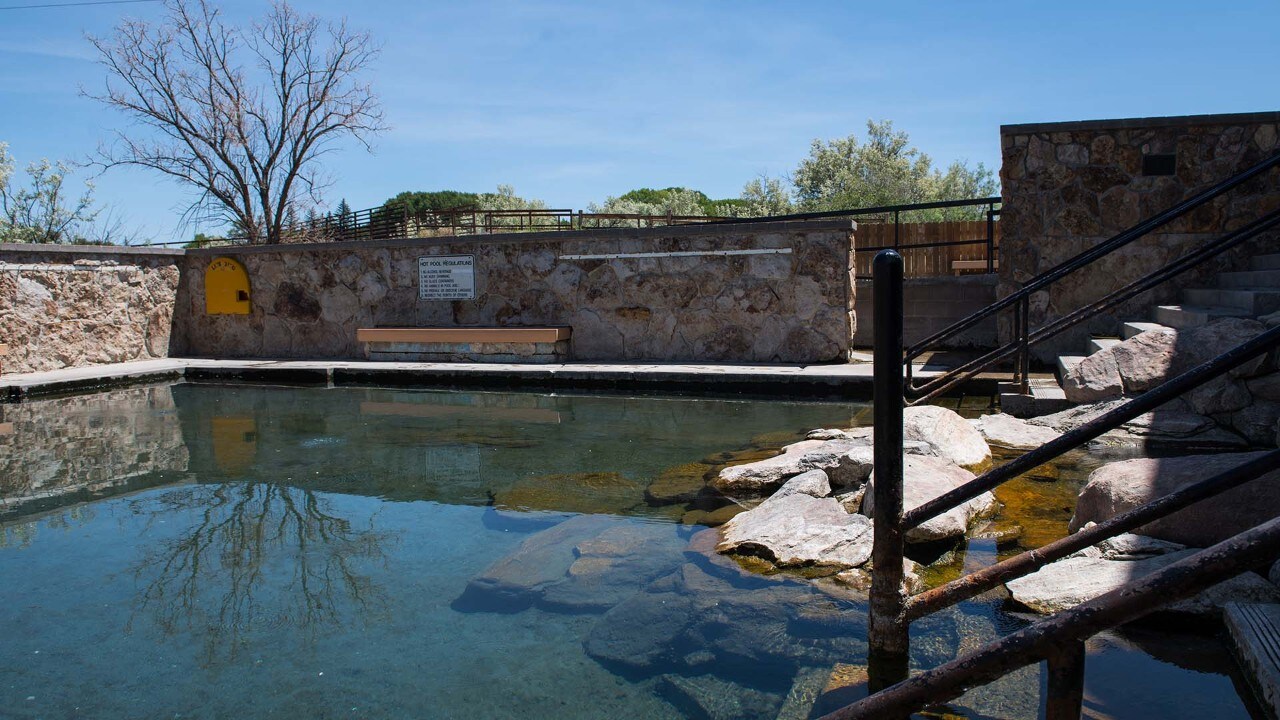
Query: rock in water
813, 483
586, 564
679, 484
612, 566
712, 698
586, 492
925, 478
1121, 486
951, 436
512, 583
1011, 433
799, 530
1067, 583
765, 475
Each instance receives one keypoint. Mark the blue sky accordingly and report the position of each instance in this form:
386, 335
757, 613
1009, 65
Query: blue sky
572, 102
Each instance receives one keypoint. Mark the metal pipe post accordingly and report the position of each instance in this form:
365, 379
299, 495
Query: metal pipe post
1064, 695
887, 626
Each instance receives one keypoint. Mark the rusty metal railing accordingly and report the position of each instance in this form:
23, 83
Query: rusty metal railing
1059, 639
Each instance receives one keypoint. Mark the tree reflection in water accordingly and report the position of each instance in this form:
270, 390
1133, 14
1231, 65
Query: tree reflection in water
258, 557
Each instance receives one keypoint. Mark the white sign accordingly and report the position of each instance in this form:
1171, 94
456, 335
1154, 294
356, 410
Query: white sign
447, 277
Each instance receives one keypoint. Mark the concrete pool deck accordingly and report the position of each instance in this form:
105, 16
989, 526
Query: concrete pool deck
850, 380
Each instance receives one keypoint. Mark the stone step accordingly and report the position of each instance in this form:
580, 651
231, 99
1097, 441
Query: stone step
1066, 362
1102, 343
1136, 328
1254, 632
1250, 279
1265, 262
1046, 397
1253, 301
1180, 317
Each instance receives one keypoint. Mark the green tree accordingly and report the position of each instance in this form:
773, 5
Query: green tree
416, 202
764, 196
886, 169
41, 212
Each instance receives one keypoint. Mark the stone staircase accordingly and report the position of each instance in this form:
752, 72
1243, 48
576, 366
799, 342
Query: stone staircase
1248, 293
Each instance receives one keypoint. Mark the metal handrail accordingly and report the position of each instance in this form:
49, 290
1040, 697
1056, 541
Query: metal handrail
1020, 299
933, 387
1058, 640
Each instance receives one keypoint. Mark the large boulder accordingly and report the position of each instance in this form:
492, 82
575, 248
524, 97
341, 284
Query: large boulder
950, 436
766, 475
1120, 486
799, 530
1067, 583
1171, 426
1149, 358
925, 478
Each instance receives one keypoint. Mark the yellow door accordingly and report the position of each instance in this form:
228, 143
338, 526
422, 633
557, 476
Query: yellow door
226, 288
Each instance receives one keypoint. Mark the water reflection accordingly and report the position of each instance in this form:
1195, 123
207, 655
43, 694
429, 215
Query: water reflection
66, 450
256, 556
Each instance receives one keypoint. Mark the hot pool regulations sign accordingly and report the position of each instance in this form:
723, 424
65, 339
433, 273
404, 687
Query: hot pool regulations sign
447, 277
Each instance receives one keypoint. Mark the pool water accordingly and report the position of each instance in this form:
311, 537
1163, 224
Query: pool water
210, 551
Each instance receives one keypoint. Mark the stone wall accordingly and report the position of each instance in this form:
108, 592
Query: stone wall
1068, 186
67, 306
782, 293
930, 305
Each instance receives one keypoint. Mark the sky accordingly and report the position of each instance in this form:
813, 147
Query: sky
572, 102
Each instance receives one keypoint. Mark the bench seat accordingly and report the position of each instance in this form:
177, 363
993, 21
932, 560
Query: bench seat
467, 344
959, 265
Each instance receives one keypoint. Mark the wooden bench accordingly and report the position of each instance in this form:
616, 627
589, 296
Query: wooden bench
959, 265
467, 344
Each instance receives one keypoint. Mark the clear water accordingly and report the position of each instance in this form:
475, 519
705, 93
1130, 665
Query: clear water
202, 551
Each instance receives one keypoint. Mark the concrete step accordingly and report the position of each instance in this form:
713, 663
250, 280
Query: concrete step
1250, 279
1254, 633
1046, 397
1066, 362
1265, 262
1253, 301
1180, 317
1136, 328
1101, 343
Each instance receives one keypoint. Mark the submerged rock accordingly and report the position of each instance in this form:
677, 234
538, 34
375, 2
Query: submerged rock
697, 618
799, 530
586, 564
1067, 583
950, 435
586, 492
679, 484
711, 698
925, 478
1120, 486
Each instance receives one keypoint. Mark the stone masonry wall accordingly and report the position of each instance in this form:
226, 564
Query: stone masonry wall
930, 305
1069, 186
67, 306
792, 306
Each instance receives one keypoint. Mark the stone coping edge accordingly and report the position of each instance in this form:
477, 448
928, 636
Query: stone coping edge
66, 249
673, 231
1146, 122
533, 377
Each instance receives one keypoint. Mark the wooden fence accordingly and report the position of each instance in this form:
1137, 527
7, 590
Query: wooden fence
924, 246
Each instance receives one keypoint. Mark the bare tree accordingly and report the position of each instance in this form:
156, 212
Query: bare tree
239, 114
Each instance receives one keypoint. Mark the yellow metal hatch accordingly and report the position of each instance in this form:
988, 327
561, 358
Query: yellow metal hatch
226, 288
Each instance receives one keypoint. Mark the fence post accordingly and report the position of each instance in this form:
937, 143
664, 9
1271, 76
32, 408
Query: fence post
887, 627
991, 238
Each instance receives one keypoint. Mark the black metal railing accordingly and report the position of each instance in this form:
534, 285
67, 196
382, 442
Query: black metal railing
1058, 639
1018, 348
